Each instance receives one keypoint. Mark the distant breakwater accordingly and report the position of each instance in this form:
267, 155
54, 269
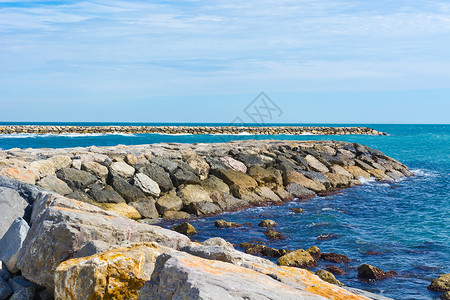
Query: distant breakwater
266, 130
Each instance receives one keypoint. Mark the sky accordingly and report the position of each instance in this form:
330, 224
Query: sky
327, 61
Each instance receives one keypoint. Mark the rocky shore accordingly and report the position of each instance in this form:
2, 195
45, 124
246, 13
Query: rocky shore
266, 130
76, 222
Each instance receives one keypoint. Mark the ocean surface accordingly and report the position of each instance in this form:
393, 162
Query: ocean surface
405, 224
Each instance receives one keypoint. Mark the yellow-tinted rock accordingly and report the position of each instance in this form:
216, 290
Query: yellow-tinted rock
357, 172
116, 274
122, 209
378, 174
298, 258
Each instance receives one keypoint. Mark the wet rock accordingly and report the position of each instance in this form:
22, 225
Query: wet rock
63, 226
440, 284
299, 191
11, 243
328, 277
105, 195
296, 210
337, 180
203, 208
76, 179
296, 177
54, 184
336, 258
12, 206
370, 272
176, 215
146, 184
128, 192
193, 193
314, 251
217, 241
283, 194
274, 235
335, 270
298, 258
378, 174
267, 223
445, 296
232, 177
247, 195
213, 184
185, 228
169, 201
95, 169
122, 169
327, 236
146, 208
158, 174
226, 224
263, 250
317, 177
5, 290
116, 274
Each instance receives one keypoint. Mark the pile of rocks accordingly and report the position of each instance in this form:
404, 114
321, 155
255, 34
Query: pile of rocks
266, 130
177, 181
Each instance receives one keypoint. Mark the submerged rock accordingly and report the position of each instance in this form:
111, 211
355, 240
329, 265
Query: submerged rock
298, 258
267, 223
314, 251
273, 234
185, 228
226, 224
440, 284
335, 270
370, 272
336, 258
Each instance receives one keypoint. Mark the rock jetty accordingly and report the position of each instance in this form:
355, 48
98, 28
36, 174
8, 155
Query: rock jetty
77, 222
255, 130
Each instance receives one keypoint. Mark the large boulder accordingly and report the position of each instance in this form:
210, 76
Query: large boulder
440, 284
116, 274
29, 192
233, 164
76, 179
146, 208
193, 193
233, 177
61, 161
199, 165
43, 167
213, 184
96, 169
298, 258
299, 191
62, 226
159, 175
169, 201
146, 184
315, 164
370, 272
122, 169
54, 184
328, 277
5, 290
11, 243
184, 176
338, 180
357, 172
122, 209
129, 192
183, 276
12, 206
203, 208
21, 174
266, 176
291, 176
226, 202
105, 195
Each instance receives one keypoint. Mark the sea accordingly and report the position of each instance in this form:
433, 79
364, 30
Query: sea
402, 226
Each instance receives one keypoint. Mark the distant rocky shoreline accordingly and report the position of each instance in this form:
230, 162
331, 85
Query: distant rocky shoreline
264, 130
77, 221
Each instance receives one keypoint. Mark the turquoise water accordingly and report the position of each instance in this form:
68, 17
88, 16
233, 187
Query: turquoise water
407, 222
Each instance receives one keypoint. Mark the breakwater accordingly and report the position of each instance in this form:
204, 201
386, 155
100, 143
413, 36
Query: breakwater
254, 130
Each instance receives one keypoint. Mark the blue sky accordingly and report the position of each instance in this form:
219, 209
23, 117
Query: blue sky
323, 61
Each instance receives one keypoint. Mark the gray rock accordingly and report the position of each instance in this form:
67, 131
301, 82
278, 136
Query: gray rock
184, 176
183, 276
19, 283
96, 169
315, 164
12, 206
203, 208
213, 184
366, 294
54, 184
319, 177
217, 241
80, 196
129, 192
227, 202
169, 201
76, 179
121, 169
146, 207
215, 163
44, 295
146, 184
11, 243
61, 227
106, 195
93, 247
176, 215
5, 290
168, 165
159, 175
27, 191
24, 294
299, 191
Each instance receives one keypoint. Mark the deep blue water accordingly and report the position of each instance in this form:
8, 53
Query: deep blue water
406, 222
